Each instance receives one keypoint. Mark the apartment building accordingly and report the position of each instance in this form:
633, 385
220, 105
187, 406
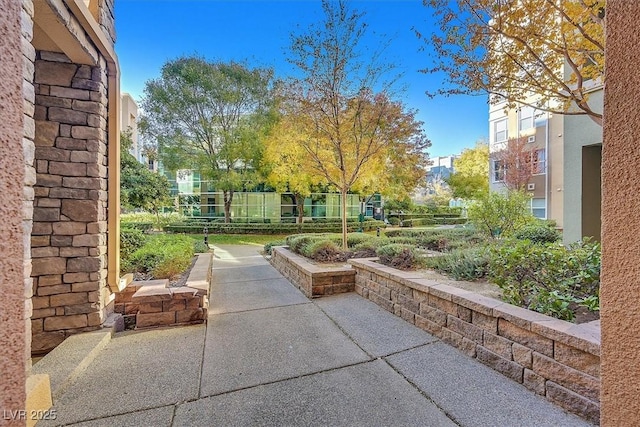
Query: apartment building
542, 132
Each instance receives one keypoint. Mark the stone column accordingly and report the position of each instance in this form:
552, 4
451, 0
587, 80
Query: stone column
70, 218
620, 288
16, 29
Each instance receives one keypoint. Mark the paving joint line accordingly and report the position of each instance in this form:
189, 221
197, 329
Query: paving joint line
310, 374
258, 309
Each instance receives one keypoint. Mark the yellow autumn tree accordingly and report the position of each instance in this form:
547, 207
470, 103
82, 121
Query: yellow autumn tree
350, 130
285, 164
470, 178
548, 51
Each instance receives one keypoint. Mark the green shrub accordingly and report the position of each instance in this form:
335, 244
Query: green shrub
538, 233
269, 246
159, 221
394, 221
462, 264
397, 255
501, 214
551, 279
200, 247
325, 251
162, 256
131, 239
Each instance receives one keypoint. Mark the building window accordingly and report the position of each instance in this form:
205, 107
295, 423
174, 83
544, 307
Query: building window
538, 208
538, 160
527, 115
500, 133
498, 171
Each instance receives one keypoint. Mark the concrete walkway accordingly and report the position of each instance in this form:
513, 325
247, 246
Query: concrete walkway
269, 356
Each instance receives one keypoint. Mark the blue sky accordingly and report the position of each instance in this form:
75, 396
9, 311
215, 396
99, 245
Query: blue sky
150, 32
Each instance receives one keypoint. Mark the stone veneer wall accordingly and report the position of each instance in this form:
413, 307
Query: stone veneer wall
554, 358
69, 240
311, 279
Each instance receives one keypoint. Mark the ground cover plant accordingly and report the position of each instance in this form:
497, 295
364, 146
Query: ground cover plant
532, 269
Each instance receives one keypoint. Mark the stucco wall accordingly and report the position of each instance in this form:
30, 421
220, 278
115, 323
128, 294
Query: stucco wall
620, 289
13, 339
579, 131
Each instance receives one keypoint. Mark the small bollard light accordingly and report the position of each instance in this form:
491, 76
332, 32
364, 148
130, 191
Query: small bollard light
378, 232
206, 236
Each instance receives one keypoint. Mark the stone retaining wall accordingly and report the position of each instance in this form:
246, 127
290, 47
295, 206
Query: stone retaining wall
312, 280
146, 304
554, 358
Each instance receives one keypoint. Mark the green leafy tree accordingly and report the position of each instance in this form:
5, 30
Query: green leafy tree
212, 117
471, 177
352, 136
140, 187
499, 214
547, 51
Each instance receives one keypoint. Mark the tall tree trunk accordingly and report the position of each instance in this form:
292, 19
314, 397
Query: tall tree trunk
343, 209
228, 198
300, 206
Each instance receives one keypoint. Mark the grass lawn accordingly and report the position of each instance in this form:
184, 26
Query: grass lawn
239, 239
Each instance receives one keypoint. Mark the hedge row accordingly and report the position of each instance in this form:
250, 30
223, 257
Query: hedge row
279, 228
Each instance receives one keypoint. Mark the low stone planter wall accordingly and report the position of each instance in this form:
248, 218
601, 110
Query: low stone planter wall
312, 280
554, 358
152, 303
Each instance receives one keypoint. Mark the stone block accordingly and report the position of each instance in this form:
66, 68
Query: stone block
433, 314
47, 180
88, 286
49, 203
46, 214
69, 228
86, 84
40, 302
45, 251
573, 402
53, 153
52, 290
468, 347
193, 303
75, 277
149, 307
498, 345
443, 305
95, 319
89, 107
409, 304
37, 241
74, 252
68, 116
523, 355
465, 329
51, 280
68, 299
83, 72
579, 382
60, 241
145, 320
86, 132
133, 308
534, 382
54, 73
85, 308
464, 314
84, 264
47, 266
87, 240
80, 210
45, 341
71, 143
185, 316
43, 313
65, 131
66, 92
52, 101
65, 322
506, 367
577, 359
46, 133
69, 193
67, 169
407, 315
524, 337
451, 337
